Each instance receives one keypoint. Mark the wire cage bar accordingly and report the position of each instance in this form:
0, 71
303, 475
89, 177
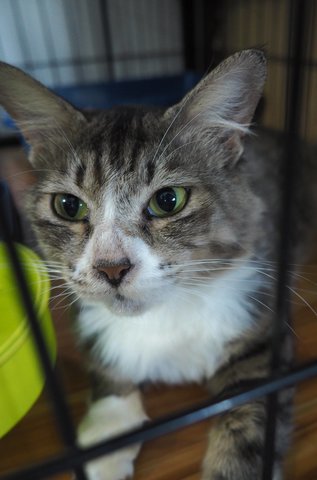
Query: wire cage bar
296, 45
75, 457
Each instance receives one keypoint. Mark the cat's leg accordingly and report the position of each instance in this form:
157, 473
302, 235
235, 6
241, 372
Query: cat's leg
236, 441
116, 412
236, 446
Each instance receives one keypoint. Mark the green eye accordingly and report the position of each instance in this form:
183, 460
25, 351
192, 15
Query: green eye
168, 201
70, 207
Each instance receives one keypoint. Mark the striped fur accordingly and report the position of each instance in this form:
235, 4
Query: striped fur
196, 305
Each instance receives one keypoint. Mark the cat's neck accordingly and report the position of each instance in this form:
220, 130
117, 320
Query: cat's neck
179, 340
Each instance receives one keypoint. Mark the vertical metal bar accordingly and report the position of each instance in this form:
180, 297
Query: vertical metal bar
155, 39
201, 20
200, 35
308, 64
189, 36
213, 17
49, 40
71, 18
53, 385
95, 59
22, 35
259, 24
106, 32
297, 30
134, 64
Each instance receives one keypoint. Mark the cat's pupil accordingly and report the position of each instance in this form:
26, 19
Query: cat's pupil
166, 199
71, 205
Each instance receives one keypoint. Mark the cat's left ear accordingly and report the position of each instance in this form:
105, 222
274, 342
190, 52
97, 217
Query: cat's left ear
37, 111
223, 103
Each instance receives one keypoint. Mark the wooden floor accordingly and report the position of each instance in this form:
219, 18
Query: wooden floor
177, 456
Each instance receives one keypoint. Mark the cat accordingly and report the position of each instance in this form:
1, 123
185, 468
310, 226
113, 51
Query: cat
164, 223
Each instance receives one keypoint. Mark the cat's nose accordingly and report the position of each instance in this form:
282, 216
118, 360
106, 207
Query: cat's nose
114, 272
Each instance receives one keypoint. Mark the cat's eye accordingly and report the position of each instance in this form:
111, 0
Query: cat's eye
70, 207
168, 201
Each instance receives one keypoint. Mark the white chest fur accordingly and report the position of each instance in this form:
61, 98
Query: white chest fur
178, 341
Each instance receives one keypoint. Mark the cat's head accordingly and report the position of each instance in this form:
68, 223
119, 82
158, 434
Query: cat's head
136, 203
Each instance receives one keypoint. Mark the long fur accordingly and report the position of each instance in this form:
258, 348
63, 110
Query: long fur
196, 301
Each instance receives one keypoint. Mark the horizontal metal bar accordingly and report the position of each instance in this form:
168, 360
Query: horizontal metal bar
69, 62
10, 140
164, 425
304, 62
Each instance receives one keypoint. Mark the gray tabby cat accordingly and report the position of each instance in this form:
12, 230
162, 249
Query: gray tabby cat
163, 223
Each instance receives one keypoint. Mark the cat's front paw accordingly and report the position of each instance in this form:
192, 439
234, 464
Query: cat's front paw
107, 418
117, 466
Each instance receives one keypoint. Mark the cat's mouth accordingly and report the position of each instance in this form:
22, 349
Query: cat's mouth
130, 301
122, 305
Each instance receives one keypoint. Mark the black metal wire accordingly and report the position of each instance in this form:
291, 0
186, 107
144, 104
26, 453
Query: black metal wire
75, 61
107, 38
75, 457
164, 425
53, 384
21, 33
297, 28
48, 37
70, 13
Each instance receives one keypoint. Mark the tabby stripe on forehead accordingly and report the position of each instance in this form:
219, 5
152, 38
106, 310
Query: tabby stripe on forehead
139, 138
97, 168
80, 174
150, 169
118, 134
97, 146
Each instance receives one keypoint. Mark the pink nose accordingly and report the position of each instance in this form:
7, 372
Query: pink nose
114, 272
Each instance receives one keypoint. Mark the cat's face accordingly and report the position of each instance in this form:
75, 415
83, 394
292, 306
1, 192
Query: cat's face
137, 206
157, 212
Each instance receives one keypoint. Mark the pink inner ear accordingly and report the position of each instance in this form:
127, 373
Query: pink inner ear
233, 144
228, 96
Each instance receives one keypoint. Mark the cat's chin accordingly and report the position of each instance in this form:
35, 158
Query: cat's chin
121, 305
118, 304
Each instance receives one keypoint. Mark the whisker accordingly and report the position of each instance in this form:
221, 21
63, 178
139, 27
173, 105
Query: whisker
303, 300
66, 138
181, 146
261, 303
304, 278
170, 126
178, 133
196, 283
270, 309
31, 170
61, 297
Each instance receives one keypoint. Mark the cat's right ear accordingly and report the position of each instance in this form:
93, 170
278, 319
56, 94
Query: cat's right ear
37, 111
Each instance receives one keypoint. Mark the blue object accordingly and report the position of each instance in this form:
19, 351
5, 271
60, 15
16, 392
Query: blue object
154, 91
162, 91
